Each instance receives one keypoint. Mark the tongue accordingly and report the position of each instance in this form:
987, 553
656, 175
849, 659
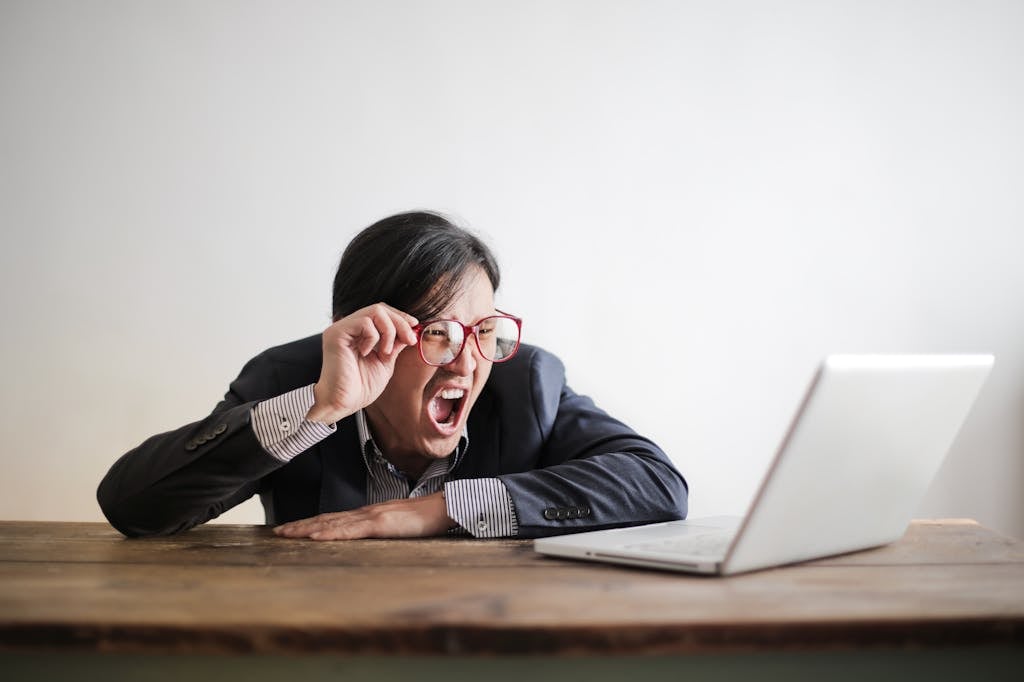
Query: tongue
441, 409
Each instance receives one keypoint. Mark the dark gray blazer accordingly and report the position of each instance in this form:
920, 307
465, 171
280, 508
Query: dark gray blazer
567, 465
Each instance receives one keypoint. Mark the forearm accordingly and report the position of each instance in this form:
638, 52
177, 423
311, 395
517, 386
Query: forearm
600, 491
594, 471
182, 478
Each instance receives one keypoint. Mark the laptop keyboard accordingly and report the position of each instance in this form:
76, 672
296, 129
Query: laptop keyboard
705, 544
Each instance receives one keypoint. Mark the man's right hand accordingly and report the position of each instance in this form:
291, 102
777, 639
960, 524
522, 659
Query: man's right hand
359, 358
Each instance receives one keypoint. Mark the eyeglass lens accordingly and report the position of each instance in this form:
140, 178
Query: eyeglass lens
441, 341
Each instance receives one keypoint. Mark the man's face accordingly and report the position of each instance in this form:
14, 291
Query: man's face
422, 412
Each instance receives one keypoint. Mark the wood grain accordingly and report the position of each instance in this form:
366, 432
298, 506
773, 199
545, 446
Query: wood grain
235, 589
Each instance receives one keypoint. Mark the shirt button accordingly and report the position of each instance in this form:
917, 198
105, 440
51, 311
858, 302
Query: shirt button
285, 425
481, 525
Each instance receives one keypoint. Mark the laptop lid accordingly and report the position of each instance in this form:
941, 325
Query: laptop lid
854, 464
858, 457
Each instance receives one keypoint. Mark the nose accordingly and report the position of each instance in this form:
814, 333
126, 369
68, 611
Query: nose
465, 364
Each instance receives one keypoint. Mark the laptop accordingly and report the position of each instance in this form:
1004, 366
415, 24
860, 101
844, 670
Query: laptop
851, 470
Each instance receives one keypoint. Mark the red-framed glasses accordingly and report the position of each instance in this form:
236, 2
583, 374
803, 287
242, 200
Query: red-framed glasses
441, 342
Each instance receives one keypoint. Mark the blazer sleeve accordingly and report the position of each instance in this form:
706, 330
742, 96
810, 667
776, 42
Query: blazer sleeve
180, 479
594, 471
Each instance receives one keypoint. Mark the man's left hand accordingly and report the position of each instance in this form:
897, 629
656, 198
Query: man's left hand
406, 518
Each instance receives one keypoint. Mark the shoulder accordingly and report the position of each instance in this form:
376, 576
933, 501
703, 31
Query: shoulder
530, 365
534, 379
280, 369
302, 353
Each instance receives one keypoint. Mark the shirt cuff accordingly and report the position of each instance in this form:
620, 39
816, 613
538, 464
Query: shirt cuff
482, 506
281, 426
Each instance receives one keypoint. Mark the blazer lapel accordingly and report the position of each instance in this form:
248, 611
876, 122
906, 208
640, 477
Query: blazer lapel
483, 457
343, 483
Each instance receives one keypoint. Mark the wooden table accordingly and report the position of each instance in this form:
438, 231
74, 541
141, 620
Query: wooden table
80, 588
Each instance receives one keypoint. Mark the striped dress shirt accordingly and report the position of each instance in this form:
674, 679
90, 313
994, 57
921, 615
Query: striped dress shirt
480, 506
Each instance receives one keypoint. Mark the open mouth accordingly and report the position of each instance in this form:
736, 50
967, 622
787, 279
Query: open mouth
446, 407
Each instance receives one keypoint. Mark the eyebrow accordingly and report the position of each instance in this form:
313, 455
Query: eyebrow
469, 324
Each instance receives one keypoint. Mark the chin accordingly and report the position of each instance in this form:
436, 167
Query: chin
438, 448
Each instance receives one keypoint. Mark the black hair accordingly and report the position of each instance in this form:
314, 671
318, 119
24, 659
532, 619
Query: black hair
412, 261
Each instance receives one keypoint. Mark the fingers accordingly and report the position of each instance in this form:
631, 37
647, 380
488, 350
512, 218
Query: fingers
316, 525
382, 329
350, 525
353, 530
368, 336
386, 326
403, 324
359, 355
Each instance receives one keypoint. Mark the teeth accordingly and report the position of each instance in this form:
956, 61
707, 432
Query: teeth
452, 393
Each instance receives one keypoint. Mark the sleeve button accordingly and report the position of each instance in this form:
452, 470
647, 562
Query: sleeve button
221, 428
550, 513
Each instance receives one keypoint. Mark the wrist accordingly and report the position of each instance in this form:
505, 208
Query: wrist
321, 416
442, 507
322, 412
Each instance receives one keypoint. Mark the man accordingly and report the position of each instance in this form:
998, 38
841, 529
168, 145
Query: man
415, 413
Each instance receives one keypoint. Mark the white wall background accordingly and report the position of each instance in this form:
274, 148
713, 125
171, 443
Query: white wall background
736, 187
